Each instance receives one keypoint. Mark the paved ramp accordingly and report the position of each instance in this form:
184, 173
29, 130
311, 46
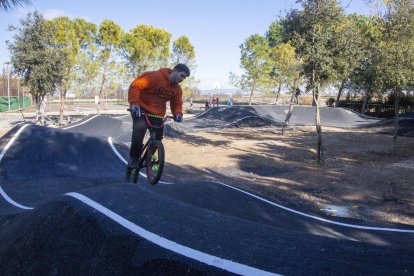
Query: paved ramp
271, 115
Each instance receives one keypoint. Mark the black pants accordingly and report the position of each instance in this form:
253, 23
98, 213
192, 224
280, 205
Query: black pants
139, 128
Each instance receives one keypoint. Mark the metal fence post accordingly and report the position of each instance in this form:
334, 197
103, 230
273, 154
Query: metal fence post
8, 69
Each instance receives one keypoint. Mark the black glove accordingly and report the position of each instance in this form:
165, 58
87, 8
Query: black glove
178, 118
136, 111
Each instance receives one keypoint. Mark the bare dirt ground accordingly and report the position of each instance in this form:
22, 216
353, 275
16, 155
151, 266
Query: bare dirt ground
360, 178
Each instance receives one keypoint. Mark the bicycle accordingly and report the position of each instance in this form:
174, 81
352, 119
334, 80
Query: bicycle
152, 155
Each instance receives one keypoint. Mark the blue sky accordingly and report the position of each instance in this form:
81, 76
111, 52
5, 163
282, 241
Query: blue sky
216, 28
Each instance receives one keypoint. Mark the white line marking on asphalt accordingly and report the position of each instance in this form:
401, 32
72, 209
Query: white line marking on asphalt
2, 192
171, 245
3, 152
250, 116
126, 162
116, 151
81, 123
196, 116
318, 218
11, 201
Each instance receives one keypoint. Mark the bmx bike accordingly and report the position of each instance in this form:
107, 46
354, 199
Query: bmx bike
152, 155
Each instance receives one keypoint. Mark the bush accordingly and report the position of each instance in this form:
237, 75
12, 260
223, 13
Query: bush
330, 102
406, 101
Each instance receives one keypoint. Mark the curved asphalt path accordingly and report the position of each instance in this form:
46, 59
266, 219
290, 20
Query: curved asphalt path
192, 226
261, 115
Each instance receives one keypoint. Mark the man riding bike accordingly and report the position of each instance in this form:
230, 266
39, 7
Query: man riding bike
150, 93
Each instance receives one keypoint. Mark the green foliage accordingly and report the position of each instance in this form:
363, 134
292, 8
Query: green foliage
396, 48
255, 62
348, 46
74, 36
406, 101
36, 57
313, 32
109, 35
275, 34
285, 60
85, 31
182, 52
146, 48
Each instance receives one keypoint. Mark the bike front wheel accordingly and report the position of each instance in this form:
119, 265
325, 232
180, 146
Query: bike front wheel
155, 162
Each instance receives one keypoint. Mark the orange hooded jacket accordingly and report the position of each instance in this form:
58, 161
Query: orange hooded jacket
152, 90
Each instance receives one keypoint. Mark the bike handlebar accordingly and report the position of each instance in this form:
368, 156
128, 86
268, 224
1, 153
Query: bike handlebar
165, 119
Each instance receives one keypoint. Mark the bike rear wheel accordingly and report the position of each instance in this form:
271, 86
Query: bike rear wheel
155, 161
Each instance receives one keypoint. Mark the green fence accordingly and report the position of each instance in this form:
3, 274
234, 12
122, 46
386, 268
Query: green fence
14, 103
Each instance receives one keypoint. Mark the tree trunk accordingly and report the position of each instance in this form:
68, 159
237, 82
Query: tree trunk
40, 110
278, 91
397, 116
320, 151
315, 96
289, 114
62, 105
251, 96
341, 88
366, 99
100, 91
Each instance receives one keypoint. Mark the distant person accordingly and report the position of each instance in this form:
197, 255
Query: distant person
217, 102
213, 101
229, 102
150, 93
297, 95
207, 104
191, 103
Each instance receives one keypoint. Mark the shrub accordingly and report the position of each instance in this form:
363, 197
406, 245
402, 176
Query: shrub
330, 101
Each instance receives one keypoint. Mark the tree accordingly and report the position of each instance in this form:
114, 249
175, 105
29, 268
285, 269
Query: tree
313, 32
6, 5
109, 40
87, 66
348, 50
72, 36
145, 48
275, 37
285, 59
276, 34
183, 52
37, 59
255, 62
367, 75
397, 51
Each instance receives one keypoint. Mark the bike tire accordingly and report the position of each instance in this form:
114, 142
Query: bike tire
155, 167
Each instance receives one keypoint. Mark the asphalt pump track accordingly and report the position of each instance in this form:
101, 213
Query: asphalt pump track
64, 209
